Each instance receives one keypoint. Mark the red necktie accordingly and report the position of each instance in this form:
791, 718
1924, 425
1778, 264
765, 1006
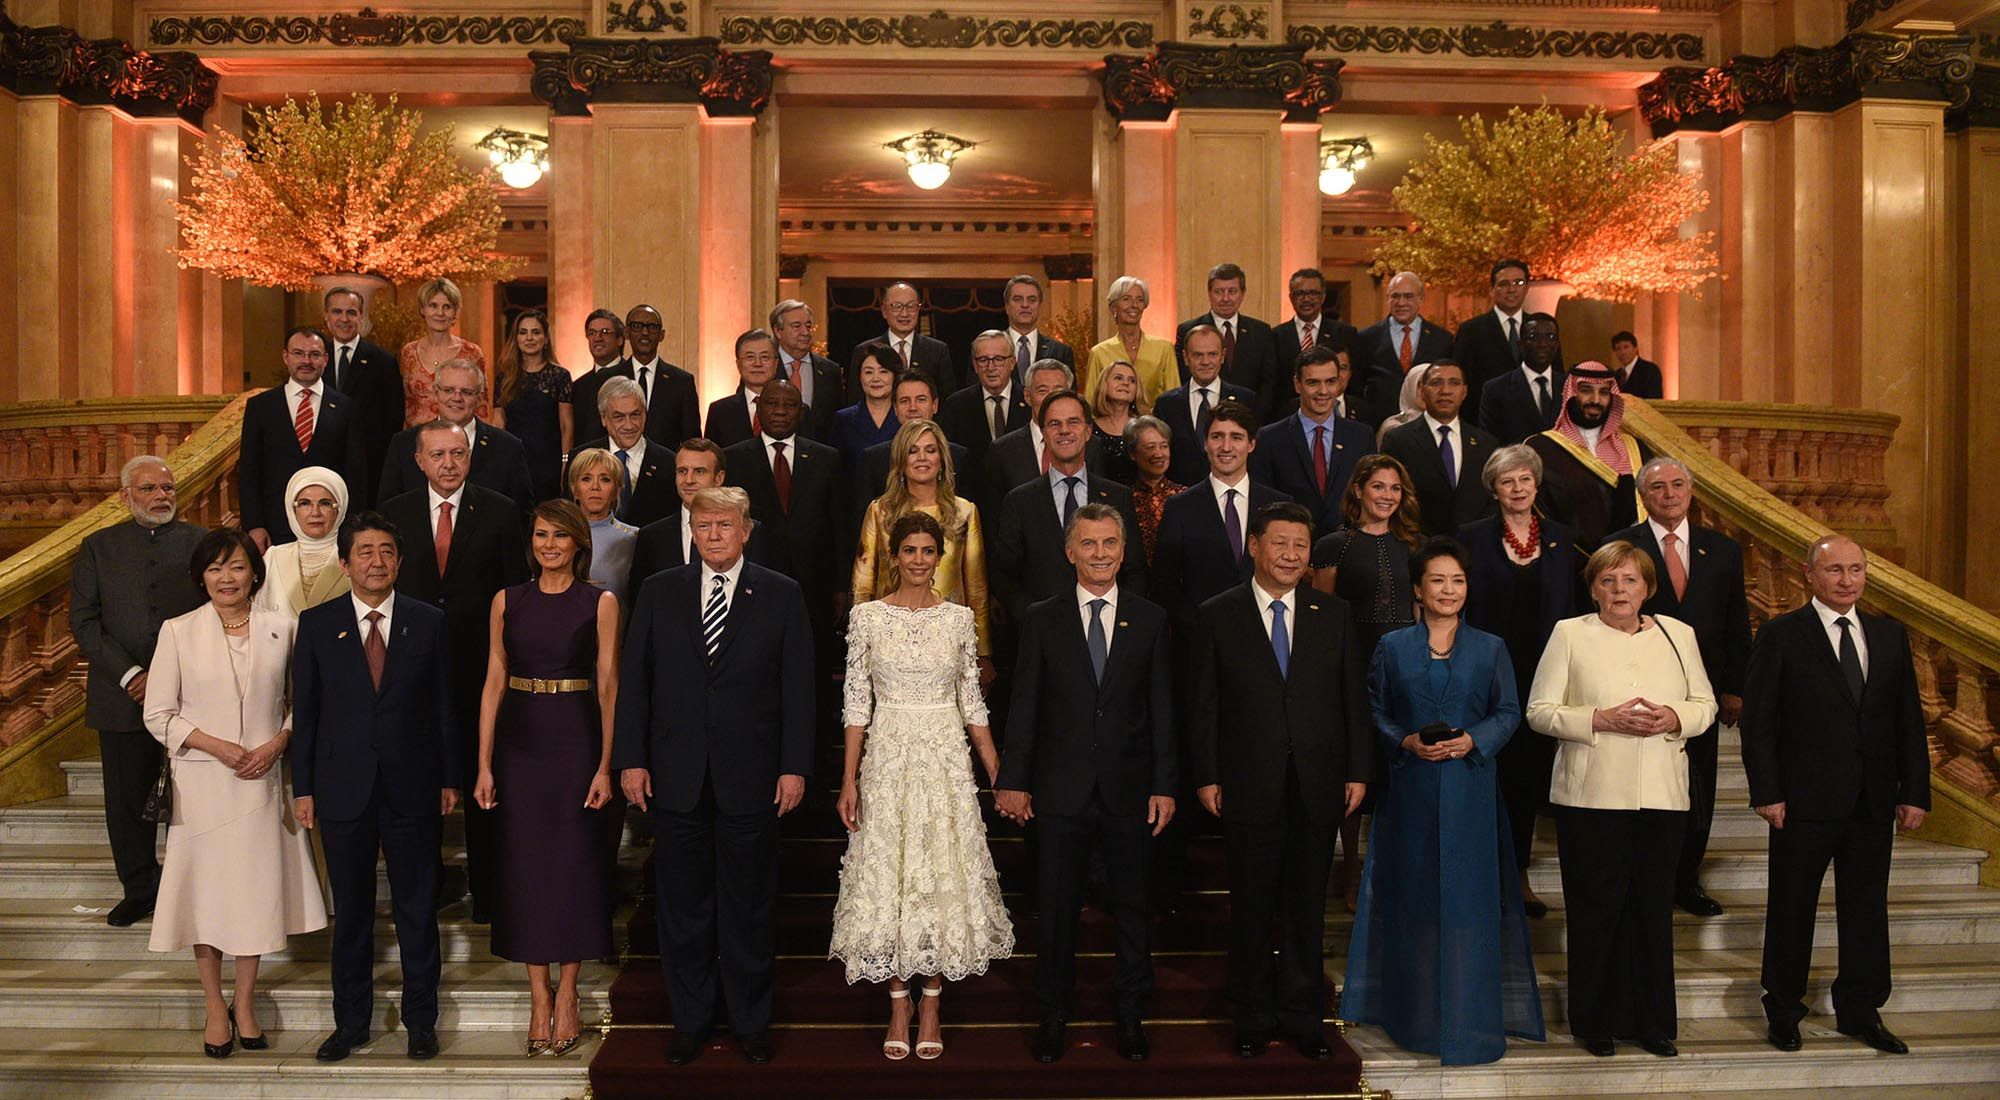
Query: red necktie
1045, 460
781, 475
1403, 354
1312, 336
1677, 573
1228, 343
1319, 458
302, 424
442, 539
375, 649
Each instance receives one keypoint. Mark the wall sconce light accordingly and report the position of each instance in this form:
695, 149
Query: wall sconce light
929, 155
520, 157
1339, 160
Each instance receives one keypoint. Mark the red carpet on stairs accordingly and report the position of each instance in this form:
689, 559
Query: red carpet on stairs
827, 1035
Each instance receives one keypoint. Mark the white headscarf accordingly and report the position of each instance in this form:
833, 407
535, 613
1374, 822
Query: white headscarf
314, 554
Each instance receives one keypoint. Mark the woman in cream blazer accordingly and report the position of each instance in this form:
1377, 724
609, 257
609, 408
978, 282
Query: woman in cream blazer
238, 874
1621, 692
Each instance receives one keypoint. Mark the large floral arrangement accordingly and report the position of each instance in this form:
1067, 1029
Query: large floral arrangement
357, 188
1560, 193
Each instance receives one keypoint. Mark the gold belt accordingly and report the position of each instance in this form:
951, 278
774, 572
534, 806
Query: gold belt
546, 687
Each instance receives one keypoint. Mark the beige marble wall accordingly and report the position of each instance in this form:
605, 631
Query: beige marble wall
1752, 370
646, 170
1696, 352
572, 238
1974, 165
1299, 209
159, 350
1806, 262
9, 252
1152, 228
729, 302
46, 238
1229, 204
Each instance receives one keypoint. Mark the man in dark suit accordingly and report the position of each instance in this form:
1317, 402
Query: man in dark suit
673, 411
499, 462
1185, 409
1248, 356
370, 378
1027, 554
1525, 401
734, 418
649, 484
1385, 351
375, 767
1493, 344
1310, 454
1094, 762
669, 541
461, 544
1444, 455
915, 398
1282, 749
128, 579
604, 333
978, 415
713, 700
1202, 548
1310, 326
816, 377
1636, 376
1021, 455
901, 310
1833, 741
305, 422
1026, 343
1701, 583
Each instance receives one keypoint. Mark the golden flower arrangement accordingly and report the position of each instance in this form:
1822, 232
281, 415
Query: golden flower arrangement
1562, 195
357, 188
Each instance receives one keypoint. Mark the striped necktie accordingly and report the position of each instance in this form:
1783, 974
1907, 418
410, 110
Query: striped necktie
712, 617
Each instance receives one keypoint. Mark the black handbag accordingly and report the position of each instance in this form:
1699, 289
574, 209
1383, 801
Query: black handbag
159, 808
1436, 733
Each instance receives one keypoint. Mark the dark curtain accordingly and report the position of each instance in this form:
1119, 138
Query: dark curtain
953, 311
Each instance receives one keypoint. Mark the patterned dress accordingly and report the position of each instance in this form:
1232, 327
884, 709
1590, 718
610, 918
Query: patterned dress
419, 403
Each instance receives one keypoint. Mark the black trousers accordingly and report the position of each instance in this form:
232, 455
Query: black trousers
131, 764
1065, 842
717, 900
1702, 754
1858, 849
1618, 886
1525, 763
410, 845
1278, 871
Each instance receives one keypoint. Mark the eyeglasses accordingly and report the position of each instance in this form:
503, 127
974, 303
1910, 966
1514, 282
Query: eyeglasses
644, 326
900, 307
457, 391
991, 360
1513, 284
595, 333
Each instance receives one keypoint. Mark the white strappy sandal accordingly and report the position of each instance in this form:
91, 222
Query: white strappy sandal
896, 1050
929, 1050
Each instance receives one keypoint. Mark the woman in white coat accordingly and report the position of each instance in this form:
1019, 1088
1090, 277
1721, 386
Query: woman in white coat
238, 875
1621, 692
306, 572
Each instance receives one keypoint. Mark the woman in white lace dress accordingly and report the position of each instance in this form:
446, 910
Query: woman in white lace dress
918, 893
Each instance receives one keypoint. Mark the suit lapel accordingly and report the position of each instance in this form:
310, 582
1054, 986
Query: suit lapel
738, 617
1822, 645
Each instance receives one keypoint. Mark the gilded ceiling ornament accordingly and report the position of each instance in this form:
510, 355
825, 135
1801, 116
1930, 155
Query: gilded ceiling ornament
1181, 74
652, 70
937, 31
1230, 21
55, 60
1933, 67
646, 16
1497, 39
363, 28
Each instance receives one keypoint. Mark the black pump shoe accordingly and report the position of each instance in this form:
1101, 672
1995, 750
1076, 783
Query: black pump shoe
250, 1042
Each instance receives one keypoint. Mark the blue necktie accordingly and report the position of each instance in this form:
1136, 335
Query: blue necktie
1100, 650
1445, 456
625, 483
1281, 642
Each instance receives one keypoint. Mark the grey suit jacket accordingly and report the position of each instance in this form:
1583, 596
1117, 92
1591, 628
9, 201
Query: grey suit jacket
128, 580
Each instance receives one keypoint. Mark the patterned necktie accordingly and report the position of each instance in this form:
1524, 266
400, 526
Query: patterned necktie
1100, 650
712, 617
302, 424
1229, 344
1312, 335
999, 415
1022, 360
441, 540
375, 649
1069, 499
1231, 526
1677, 571
1403, 354
1445, 456
1201, 414
903, 352
1319, 458
1281, 639
781, 475
1850, 658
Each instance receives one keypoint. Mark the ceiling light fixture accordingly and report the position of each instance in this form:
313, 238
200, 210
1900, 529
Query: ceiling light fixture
1339, 161
521, 158
929, 155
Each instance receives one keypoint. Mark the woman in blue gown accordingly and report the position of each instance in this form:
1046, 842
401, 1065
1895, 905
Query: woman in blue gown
1440, 957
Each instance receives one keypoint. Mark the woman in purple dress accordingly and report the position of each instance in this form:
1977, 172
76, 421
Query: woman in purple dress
544, 766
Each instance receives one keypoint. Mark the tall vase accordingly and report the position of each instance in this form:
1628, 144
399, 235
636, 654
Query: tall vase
1544, 295
364, 285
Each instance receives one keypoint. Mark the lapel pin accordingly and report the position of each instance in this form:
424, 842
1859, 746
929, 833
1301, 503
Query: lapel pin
342, 634
1699, 550
1122, 624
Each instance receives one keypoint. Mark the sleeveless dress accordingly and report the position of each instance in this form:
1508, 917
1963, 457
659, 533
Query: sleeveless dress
554, 902
918, 892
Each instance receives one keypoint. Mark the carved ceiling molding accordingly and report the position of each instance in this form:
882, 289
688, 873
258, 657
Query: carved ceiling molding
1861, 11
1498, 40
1989, 46
652, 70
645, 16
364, 28
1926, 67
1230, 21
938, 30
1982, 107
55, 60
1183, 74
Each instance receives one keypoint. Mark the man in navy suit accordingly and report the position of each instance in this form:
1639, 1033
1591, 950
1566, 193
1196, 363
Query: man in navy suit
649, 490
1185, 409
1310, 326
1493, 344
1524, 401
499, 462
1026, 343
978, 416
902, 308
1637, 376
1093, 760
1310, 454
375, 766
1249, 359
668, 542
816, 377
305, 422
1027, 551
716, 699
733, 419
1386, 351
1202, 547
369, 376
1446, 457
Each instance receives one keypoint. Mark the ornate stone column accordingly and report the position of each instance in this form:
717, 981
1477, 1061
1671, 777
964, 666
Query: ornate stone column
671, 207
1972, 165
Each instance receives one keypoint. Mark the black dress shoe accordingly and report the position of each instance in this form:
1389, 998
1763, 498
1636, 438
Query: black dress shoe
129, 912
1699, 903
1602, 1048
423, 1044
1314, 1045
1133, 1046
756, 1048
1251, 1044
340, 1044
686, 1047
1785, 1036
1660, 1048
1879, 1037
1050, 1040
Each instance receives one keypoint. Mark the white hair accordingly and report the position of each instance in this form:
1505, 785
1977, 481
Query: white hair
1661, 461
133, 464
1124, 283
615, 388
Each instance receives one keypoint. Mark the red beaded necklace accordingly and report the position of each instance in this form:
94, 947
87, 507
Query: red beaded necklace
1527, 549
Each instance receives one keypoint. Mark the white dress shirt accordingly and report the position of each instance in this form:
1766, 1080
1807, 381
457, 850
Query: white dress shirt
1194, 392
361, 610
1680, 548
791, 443
1590, 437
1309, 330
1230, 327
353, 349
730, 580
1221, 488
454, 500
292, 392
1035, 435
1416, 330
1291, 601
1535, 390
903, 344
1519, 317
635, 461
804, 372
687, 537
651, 378
1059, 493
1827, 615
749, 402
1109, 618
1457, 439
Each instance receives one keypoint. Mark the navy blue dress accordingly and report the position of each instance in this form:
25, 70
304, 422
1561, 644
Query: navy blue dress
534, 417
1440, 957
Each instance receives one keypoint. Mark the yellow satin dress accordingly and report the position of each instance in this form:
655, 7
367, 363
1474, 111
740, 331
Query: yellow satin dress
961, 570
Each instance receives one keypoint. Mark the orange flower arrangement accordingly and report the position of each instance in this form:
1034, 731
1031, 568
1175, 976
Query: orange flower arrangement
355, 189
